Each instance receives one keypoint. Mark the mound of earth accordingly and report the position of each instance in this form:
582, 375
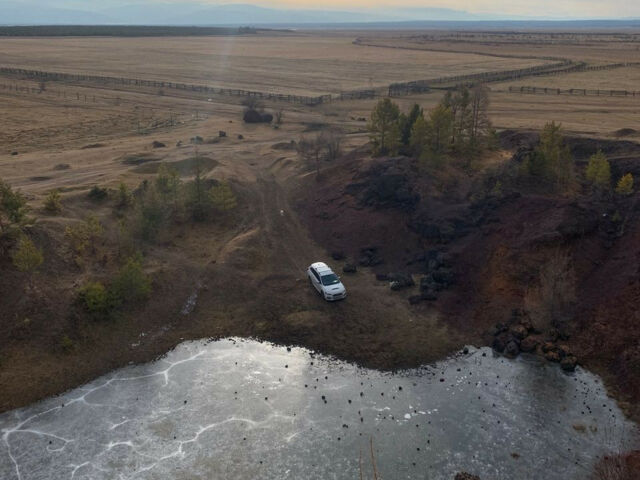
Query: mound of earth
625, 132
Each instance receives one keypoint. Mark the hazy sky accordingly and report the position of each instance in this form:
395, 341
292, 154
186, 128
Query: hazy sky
537, 8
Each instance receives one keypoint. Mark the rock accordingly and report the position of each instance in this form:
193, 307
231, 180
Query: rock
519, 331
512, 349
222, 134
529, 344
552, 356
349, 268
429, 295
240, 137
497, 329
548, 347
157, 144
564, 351
466, 476
499, 344
179, 143
569, 363
401, 280
416, 299
14, 153
338, 255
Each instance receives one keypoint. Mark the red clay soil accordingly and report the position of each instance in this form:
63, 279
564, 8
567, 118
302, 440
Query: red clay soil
498, 260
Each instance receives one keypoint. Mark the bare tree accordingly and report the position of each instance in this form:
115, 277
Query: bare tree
310, 151
331, 142
479, 123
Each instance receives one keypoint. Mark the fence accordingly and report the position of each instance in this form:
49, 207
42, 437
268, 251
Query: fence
573, 91
38, 75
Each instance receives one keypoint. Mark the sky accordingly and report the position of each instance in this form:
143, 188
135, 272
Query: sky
535, 8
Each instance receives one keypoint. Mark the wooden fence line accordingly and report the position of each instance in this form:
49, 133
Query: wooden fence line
573, 91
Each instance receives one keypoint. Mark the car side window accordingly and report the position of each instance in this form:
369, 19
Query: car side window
315, 274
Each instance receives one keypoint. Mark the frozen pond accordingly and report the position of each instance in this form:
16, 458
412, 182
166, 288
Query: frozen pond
246, 410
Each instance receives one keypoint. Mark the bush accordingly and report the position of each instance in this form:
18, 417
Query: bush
98, 194
27, 256
66, 344
223, 198
625, 185
599, 171
124, 196
52, 203
131, 284
13, 207
95, 299
83, 235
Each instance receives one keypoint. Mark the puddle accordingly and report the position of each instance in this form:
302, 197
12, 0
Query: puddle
247, 410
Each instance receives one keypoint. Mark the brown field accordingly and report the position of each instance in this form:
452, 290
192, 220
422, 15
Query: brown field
249, 271
301, 64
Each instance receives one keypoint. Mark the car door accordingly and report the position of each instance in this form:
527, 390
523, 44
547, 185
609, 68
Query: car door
315, 280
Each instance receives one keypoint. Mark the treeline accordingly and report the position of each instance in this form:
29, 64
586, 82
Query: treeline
119, 31
458, 125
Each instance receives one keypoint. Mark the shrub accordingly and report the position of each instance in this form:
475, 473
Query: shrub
95, 299
13, 206
98, 194
66, 344
625, 185
27, 256
124, 196
83, 235
599, 171
52, 203
223, 198
131, 284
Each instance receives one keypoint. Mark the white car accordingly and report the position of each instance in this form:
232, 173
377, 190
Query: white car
326, 282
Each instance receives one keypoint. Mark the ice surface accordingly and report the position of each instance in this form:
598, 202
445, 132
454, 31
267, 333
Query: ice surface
236, 409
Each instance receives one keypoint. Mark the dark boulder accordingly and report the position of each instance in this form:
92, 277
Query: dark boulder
222, 134
338, 255
569, 363
552, 356
466, 476
519, 331
349, 268
529, 344
512, 349
157, 144
499, 344
401, 280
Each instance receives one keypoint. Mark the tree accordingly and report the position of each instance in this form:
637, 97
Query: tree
384, 127
459, 103
479, 124
52, 203
599, 171
419, 136
131, 284
27, 257
331, 144
199, 200
124, 196
13, 207
551, 161
84, 234
625, 185
440, 127
310, 151
223, 198
407, 122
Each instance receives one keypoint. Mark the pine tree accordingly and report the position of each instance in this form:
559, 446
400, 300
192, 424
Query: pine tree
27, 257
384, 128
599, 171
625, 185
223, 198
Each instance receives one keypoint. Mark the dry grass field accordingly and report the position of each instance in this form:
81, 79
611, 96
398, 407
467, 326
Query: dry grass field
296, 64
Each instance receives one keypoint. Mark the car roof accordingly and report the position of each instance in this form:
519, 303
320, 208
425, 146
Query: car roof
321, 267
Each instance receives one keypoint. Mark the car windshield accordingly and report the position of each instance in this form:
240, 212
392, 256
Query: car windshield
330, 279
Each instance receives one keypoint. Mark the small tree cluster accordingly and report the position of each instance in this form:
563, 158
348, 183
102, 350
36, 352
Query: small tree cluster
53, 204
84, 235
27, 257
459, 124
326, 146
551, 161
130, 286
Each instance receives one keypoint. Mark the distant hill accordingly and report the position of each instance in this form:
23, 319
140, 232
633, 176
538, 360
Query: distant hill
173, 12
